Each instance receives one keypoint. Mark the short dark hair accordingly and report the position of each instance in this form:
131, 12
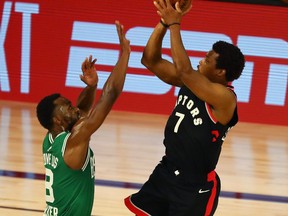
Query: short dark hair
45, 109
230, 58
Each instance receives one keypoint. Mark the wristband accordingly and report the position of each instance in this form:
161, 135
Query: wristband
164, 24
175, 23
168, 25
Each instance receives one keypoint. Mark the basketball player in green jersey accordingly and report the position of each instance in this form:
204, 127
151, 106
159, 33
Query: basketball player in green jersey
68, 159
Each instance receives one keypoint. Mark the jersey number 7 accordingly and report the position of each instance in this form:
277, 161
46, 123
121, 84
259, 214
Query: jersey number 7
181, 117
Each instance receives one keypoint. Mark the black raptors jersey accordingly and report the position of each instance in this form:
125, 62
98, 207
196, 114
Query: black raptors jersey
193, 138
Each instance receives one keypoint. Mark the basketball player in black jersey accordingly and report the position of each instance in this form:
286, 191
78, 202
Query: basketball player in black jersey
185, 183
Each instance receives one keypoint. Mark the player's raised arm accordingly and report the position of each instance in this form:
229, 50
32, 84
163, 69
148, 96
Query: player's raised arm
209, 81
152, 57
78, 142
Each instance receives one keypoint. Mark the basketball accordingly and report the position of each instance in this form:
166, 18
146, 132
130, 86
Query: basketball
184, 4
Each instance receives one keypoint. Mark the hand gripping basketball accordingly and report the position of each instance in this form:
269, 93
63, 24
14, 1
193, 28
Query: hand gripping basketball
184, 4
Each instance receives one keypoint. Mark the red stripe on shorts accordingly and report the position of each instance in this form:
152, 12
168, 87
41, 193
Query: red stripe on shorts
209, 207
133, 208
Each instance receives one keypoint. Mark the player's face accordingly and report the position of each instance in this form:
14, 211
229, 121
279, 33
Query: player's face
207, 66
68, 114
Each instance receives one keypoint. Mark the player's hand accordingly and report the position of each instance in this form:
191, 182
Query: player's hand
177, 6
89, 76
168, 14
124, 43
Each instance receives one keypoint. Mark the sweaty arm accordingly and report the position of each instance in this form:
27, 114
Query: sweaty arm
90, 78
86, 98
78, 141
153, 61
221, 99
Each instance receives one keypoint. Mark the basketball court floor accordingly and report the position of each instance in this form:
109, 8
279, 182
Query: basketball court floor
253, 166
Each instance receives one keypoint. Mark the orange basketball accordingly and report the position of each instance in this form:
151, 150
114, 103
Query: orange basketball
184, 4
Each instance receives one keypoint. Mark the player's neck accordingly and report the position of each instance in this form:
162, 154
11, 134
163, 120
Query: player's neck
56, 131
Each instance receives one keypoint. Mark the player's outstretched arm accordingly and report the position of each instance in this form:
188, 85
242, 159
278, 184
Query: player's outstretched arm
78, 141
112, 87
217, 95
152, 57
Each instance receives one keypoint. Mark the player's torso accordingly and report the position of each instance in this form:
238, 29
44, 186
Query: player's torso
192, 137
68, 192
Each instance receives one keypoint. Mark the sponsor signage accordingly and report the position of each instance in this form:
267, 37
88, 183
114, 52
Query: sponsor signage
43, 43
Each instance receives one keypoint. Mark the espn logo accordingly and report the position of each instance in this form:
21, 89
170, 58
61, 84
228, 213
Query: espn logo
195, 41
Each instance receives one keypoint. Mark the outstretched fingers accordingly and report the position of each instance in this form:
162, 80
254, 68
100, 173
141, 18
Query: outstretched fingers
87, 64
92, 62
119, 28
124, 43
168, 13
89, 74
177, 6
168, 3
84, 65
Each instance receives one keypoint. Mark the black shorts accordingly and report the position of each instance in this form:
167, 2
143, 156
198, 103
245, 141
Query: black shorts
166, 194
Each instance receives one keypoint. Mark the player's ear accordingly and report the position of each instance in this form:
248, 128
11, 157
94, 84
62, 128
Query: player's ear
221, 72
56, 120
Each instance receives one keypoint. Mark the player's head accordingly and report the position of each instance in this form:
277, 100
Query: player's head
230, 58
57, 113
45, 110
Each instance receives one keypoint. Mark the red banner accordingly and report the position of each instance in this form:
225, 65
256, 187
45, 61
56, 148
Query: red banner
43, 43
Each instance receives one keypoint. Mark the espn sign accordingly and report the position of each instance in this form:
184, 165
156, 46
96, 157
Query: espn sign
148, 84
42, 46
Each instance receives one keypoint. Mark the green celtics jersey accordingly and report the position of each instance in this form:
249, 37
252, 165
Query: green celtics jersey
68, 192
